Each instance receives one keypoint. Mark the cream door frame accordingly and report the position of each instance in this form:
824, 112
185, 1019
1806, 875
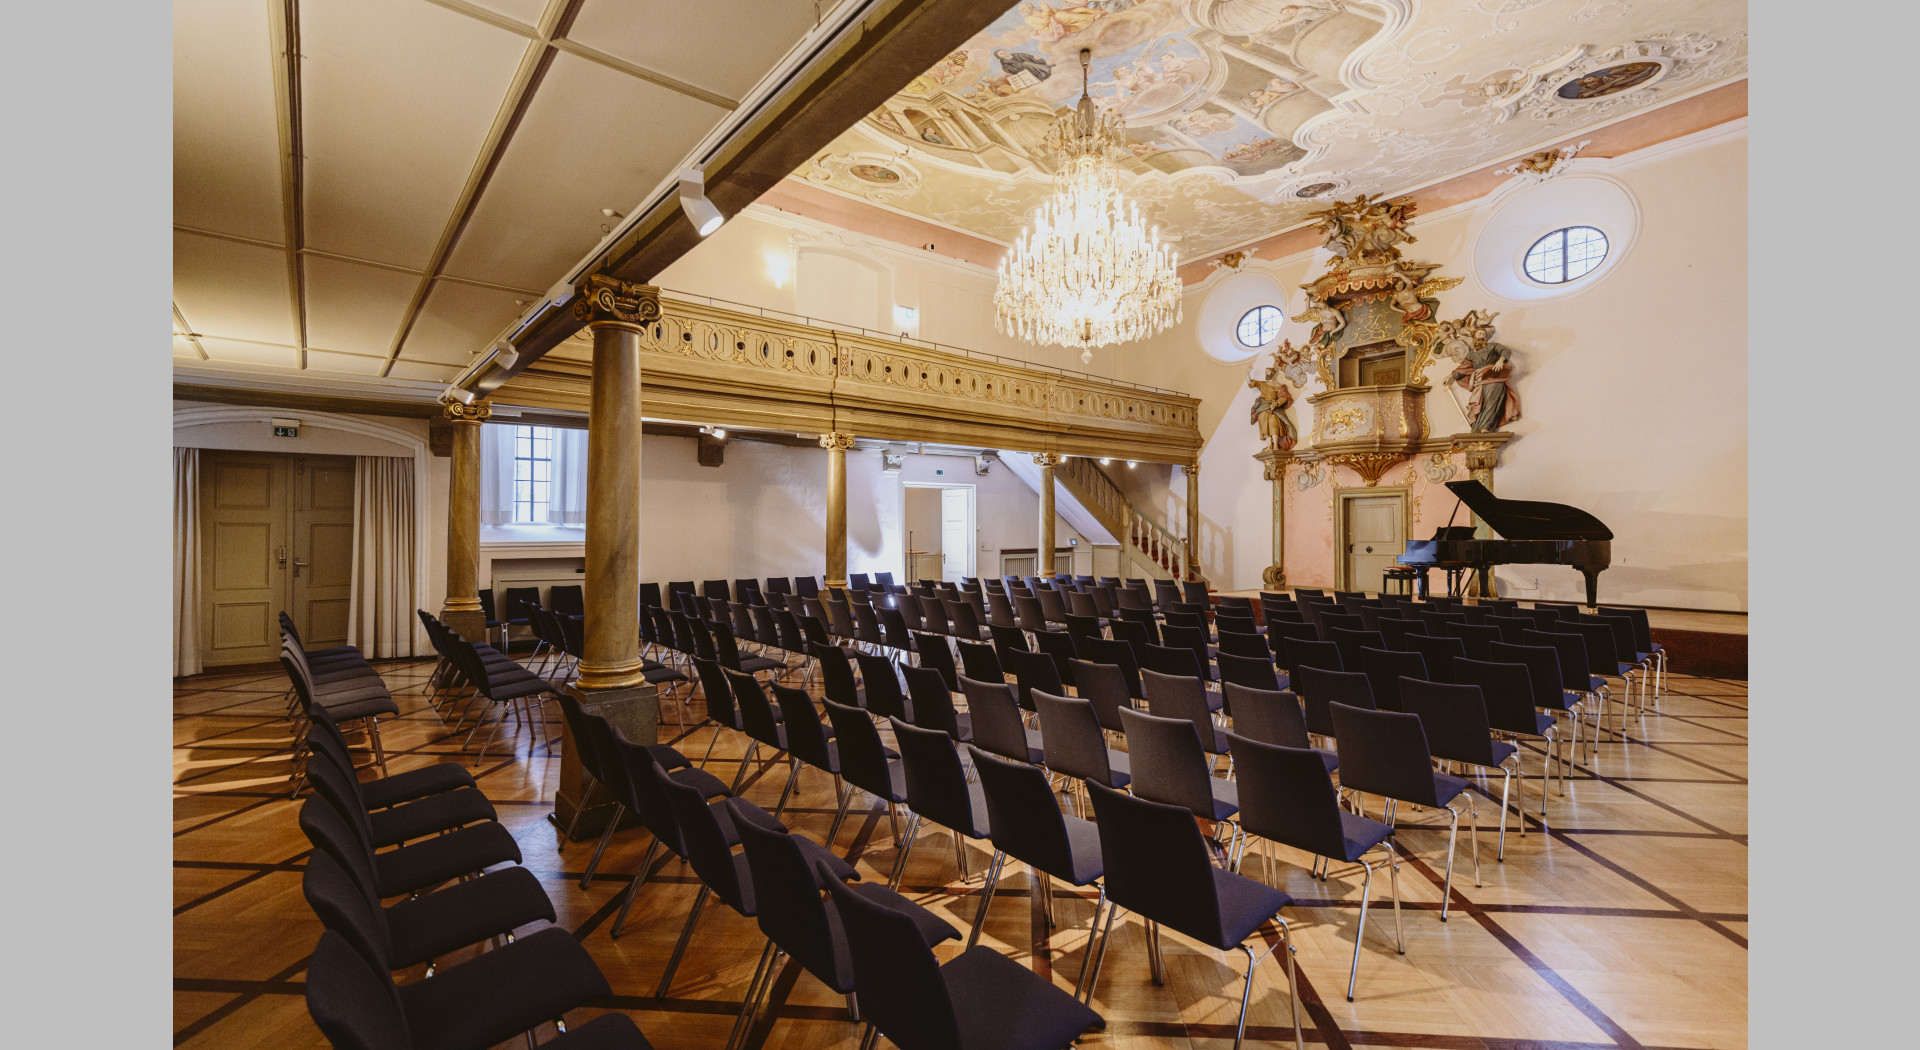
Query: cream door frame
1340, 498
423, 546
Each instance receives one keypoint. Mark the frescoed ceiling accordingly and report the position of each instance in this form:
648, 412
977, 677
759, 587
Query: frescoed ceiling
1244, 115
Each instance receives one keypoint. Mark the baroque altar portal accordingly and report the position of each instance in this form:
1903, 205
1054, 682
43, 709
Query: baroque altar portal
1376, 331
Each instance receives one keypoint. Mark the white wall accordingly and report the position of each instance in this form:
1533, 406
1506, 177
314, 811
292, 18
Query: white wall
782, 262
1634, 392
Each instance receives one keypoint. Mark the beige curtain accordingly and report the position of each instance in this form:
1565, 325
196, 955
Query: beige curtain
496, 473
186, 561
381, 619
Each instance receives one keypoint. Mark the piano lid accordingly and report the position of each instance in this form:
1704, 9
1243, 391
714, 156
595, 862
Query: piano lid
1517, 519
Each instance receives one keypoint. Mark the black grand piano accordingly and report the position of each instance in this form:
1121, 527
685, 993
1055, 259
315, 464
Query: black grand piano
1533, 533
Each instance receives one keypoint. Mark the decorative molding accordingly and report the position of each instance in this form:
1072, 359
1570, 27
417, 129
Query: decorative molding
602, 300
836, 441
475, 414
1369, 465
1544, 165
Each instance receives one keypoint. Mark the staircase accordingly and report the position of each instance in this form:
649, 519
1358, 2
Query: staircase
1148, 547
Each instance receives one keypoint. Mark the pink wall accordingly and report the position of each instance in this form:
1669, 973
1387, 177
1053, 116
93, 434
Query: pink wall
1309, 521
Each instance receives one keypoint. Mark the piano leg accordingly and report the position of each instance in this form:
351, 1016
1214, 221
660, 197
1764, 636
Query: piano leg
1593, 590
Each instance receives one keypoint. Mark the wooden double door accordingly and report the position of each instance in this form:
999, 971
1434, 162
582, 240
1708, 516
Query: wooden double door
277, 534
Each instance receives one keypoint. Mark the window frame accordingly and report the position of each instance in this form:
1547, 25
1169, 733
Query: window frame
1563, 232
1254, 312
527, 442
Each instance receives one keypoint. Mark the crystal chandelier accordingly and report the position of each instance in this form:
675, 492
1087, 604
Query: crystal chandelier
1088, 272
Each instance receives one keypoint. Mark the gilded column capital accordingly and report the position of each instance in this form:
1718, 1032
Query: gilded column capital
1190, 469
602, 300
478, 412
1046, 459
836, 441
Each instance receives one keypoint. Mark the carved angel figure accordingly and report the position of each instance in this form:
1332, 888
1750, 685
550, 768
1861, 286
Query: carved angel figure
1417, 299
1486, 367
1270, 412
1327, 321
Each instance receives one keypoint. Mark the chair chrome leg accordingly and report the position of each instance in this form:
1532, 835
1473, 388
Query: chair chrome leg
619, 811
1293, 986
1506, 785
1366, 897
1155, 964
1093, 980
1246, 996
839, 817
1473, 838
1446, 892
567, 835
1045, 889
1093, 930
986, 896
1393, 880
633, 889
746, 759
900, 862
680, 948
787, 792
373, 737
751, 1000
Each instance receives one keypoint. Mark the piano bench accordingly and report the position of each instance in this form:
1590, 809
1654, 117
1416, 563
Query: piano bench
1406, 577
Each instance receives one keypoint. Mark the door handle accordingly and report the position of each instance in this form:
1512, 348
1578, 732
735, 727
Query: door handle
298, 565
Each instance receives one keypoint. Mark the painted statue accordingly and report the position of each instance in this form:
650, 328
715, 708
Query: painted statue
1049, 24
1269, 412
1327, 321
1484, 367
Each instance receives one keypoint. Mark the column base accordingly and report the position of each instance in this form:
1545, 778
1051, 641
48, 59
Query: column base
634, 713
1273, 578
470, 624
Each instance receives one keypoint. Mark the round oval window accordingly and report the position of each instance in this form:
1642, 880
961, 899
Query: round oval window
1258, 326
1566, 255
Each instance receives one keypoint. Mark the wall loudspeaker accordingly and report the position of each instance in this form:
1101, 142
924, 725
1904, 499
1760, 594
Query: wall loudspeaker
984, 460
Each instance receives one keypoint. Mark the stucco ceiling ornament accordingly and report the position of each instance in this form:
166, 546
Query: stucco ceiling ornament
1544, 165
1600, 79
879, 177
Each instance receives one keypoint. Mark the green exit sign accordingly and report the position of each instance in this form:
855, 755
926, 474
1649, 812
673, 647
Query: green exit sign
286, 428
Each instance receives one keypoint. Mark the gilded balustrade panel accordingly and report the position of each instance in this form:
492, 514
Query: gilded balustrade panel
708, 363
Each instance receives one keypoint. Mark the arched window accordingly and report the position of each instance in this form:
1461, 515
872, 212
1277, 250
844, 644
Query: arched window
1258, 326
1566, 254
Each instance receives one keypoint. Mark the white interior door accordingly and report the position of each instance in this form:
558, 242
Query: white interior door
956, 534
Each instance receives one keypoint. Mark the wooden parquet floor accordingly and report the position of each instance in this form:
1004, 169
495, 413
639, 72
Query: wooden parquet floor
1625, 925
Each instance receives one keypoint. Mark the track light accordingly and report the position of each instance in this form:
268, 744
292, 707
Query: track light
1104, 461
505, 355
460, 394
717, 433
693, 198
1130, 464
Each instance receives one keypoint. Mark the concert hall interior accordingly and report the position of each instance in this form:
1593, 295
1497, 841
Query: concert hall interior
1183, 522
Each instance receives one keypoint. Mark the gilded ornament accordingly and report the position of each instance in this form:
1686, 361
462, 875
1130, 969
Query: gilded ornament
1046, 459
836, 441
608, 300
478, 412
1369, 465
1345, 420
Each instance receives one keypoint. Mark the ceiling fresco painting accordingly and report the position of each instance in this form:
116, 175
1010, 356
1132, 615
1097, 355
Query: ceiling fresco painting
1244, 115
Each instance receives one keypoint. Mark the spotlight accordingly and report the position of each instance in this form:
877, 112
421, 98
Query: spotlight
460, 394
720, 433
505, 355
693, 198
1104, 461
1130, 464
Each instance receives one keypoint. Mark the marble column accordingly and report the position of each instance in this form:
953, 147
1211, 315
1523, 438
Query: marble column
462, 611
836, 444
1046, 461
1192, 471
610, 682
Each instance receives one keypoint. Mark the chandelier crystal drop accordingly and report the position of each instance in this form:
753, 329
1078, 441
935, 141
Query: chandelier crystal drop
1088, 272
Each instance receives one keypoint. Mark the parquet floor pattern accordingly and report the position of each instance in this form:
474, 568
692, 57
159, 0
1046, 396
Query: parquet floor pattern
1624, 925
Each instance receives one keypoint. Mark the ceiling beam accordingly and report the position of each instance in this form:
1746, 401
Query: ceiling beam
554, 21
896, 42
285, 22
